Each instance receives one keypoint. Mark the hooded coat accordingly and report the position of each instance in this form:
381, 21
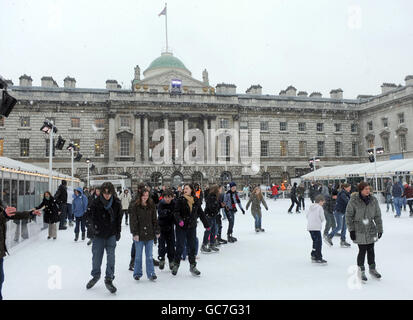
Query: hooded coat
105, 223
79, 204
182, 212
364, 219
51, 210
256, 204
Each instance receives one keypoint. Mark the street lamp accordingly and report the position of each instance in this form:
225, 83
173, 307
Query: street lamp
373, 152
49, 128
312, 164
88, 165
71, 147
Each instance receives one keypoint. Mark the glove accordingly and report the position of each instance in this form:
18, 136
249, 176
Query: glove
243, 211
117, 236
208, 229
380, 234
353, 235
181, 223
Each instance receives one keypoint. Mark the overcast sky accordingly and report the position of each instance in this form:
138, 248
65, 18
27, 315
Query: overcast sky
315, 45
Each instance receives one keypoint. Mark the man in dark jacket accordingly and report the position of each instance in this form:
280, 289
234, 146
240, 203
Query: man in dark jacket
328, 207
300, 194
293, 197
105, 223
61, 200
167, 225
397, 192
388, 195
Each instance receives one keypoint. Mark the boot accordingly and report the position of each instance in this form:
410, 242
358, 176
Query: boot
373, 271
262, 230
344, 244
362, 274
213, 248
222, 241
230, 239
233, 238
155, 263
83, 236
257, 230
131, 264
328, 241
171, 265
205, 249
109, 285
161, 263
175, 268
194, 270
153, 277
89, 242
76, 236
92, 282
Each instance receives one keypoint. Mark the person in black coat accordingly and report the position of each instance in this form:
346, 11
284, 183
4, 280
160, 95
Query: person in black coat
186, 212
61, 200
218, 217
293, 197
95, 193
212, 209
167, 225
105, 224
51, 213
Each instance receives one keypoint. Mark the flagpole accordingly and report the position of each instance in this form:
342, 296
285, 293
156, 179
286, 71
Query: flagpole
166, 26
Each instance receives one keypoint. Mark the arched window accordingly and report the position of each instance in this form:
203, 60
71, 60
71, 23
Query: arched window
156, 179
177, 179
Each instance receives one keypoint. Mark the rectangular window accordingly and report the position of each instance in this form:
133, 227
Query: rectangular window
301, 126
264, 148
1, 147
243, 125
283, 148
24, 147
302, 148
320, 148
354, 127
386, 144
401, 117
264, 125
403, 142
337, 127
2, 121
25, 122
225, 145
124, 146
99, 123
224, 123
370, 125
338, 149
283, 126
320, 127
354, 149
75, 122
125, 122
99, 147
385, 122
48, 146
76, 143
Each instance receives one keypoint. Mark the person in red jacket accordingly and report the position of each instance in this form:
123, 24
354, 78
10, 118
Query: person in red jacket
408, 193
274, 191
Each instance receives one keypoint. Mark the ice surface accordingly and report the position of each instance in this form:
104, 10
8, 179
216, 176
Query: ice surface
271, 265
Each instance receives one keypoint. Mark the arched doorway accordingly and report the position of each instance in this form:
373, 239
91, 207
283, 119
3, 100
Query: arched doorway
177, 179
226, 177
156, 179
197, 178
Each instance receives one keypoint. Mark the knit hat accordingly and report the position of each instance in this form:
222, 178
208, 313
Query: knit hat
232, 184
334, 192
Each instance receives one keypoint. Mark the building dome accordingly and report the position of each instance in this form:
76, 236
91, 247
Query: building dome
164, 63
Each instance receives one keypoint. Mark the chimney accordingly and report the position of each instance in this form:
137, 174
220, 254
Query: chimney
25, 81
386, 87
205, 78
137, 73
282, 93
336, 94
224, 88
48, 82
409, 80
111, 84
316, 95
254, 89
291, 91
69, 82
302, 94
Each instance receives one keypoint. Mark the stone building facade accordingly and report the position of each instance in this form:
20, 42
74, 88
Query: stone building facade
114, 127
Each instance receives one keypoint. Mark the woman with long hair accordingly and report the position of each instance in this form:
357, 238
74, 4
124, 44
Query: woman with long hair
212, 208
256, 199
186, 212
51, 213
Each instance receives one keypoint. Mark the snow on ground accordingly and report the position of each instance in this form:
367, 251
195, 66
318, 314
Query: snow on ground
271, 265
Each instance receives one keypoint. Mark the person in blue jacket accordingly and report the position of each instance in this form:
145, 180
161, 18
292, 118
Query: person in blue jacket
79, 208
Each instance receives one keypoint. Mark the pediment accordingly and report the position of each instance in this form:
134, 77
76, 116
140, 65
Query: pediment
369, 136
402, 129
385, 133
124, 133
166, 77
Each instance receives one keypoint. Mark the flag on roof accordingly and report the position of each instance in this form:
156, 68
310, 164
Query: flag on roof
163, 12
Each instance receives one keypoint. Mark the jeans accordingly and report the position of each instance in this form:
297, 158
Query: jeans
410, 203
1, 277
363, 249
69, 212
166, 245
231, 221
398, 202
125, 214
257, 218
301, 203
98, 247
150, 269
209, 236
341, 225
330, 223
294, 201
188, 235
404, 201
316, 252
63, 215
389, 200
80, 221
185, 252
219, 225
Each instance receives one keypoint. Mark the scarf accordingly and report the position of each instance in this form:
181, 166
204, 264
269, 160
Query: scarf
107, 204
190, 201
366, 200
233, 205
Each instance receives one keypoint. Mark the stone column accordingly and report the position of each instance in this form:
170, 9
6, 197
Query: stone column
186, 143
138, 147
145, 138
206, 140
167, 141
212, 141
112, 137
235, 149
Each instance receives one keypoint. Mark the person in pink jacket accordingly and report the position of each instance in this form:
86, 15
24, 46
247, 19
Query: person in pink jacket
315, 219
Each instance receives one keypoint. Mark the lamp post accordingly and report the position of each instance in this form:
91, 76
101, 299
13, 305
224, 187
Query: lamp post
71, 148
373, 158
88, 165
49, 128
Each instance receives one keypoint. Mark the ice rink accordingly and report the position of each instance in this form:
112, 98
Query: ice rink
271, 265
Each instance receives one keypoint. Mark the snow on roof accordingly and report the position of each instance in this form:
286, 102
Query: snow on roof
7, 164
384, 168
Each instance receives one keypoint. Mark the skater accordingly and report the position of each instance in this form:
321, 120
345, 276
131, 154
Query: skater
274, 191
105, 221
231, 201
212, 208
256, 199
328, 207
339, 213
388, 195
61, 200
293, 197
397, 192
315, 218
9, 213
186, 212
363, 217
300, 194
408, 194
125, 200
245, 192
93, 196
219, 217
144, 228
79, 208
70, 217
166, 245
51, 214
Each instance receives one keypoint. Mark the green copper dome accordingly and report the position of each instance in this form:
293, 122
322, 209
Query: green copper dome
166, 60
